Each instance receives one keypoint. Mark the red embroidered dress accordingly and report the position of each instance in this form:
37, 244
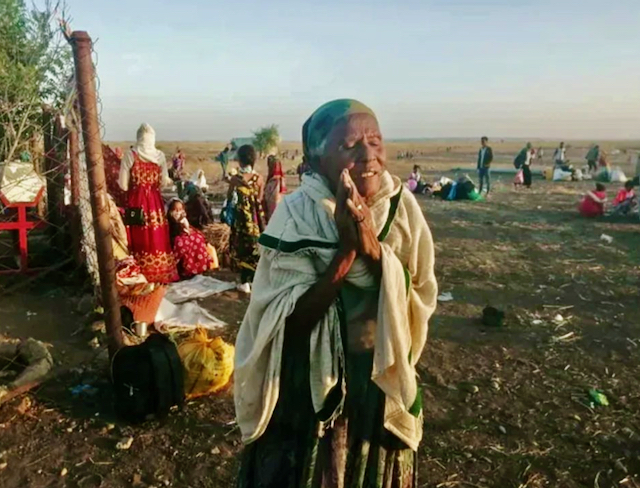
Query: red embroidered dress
150, 243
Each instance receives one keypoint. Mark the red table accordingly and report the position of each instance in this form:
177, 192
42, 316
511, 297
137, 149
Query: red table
22, 225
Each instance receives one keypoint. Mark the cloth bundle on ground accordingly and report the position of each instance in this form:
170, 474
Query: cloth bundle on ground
462, 189
297, 246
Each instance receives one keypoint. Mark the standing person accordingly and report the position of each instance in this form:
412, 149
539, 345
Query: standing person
522, 162
249, 219
560, 156
485, 158
223, 159
275, 188
302, 168
177, 165
327, 351
143, 173
592, 158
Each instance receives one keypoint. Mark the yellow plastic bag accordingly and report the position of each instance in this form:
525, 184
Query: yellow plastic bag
208, 363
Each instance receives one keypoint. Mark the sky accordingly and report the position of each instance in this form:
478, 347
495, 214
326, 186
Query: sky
212, 69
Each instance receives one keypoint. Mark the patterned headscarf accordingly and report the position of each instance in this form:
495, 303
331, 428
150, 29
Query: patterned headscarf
317, 128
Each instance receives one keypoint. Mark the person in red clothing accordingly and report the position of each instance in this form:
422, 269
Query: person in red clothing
625, 200
143, 174
592, 205
188, 243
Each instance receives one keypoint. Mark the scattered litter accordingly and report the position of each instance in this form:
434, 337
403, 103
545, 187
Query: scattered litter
25, 405
94, 343
445, 297
563, 337
502, 430
64, 472
124, 444
606, 238
558, 319
215, 450
598, 398
537, 322
492, 317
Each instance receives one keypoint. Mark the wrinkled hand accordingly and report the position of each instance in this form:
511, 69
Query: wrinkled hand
347, 228
361, 215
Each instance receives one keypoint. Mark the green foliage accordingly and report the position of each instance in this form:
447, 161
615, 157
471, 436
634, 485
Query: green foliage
266, 138
35, 64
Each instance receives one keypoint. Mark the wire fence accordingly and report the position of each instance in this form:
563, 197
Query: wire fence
54, 202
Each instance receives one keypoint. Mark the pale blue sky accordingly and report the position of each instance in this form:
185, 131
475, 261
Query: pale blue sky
211, 70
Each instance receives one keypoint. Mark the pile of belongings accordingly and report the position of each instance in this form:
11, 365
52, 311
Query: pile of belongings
613, 176
461, 189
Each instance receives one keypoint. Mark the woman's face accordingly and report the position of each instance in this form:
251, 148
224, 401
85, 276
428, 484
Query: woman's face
355, 144
177, 211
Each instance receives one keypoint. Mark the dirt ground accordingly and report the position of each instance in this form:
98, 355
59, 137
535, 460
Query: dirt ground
504, 407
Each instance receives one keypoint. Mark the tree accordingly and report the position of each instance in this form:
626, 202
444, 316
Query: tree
265, 139
35, 66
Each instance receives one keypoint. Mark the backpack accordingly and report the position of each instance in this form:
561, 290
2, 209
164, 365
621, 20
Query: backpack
520, 159
147, 379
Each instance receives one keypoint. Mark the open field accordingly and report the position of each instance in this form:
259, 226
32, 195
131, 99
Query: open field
504, 408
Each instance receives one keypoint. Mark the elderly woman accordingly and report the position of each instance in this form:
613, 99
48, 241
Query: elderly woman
326, 392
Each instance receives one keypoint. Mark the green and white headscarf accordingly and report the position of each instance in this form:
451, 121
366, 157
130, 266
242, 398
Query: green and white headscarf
316, 130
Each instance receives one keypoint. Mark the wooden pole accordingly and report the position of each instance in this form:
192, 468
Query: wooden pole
85, 79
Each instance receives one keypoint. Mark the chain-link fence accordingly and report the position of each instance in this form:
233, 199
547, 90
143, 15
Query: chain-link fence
55, 209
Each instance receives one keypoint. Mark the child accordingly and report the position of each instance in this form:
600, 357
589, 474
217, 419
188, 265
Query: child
625, 200
592, 205
190, 248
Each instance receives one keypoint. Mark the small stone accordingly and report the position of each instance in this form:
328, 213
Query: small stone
110, 427
124, 444
64, 472
495, 384
502, 430
215, 450
3, 466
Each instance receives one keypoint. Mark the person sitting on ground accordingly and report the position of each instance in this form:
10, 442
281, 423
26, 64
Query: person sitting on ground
625, 201
415, 183
592, 205
190, 249
199, 213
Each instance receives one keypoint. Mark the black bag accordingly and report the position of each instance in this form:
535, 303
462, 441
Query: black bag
147, 379
134, 216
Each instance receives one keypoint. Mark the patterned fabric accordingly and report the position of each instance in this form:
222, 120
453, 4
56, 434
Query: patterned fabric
112, 173
248, 225
191, 254
149, 243
317, 128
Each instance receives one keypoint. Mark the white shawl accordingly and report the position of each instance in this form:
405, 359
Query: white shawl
297, 247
